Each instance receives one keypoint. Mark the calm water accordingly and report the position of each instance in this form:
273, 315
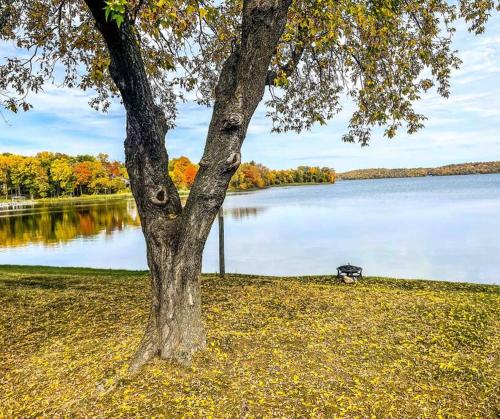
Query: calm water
437, 227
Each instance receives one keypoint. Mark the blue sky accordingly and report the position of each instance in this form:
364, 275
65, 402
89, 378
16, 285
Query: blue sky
463, 128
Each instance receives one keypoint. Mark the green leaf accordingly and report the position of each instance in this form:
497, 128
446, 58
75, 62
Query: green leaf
107, 11
118, 19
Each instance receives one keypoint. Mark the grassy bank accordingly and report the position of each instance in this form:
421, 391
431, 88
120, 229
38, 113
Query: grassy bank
81, 198
182, 192
92, 197
88, 198
283, 347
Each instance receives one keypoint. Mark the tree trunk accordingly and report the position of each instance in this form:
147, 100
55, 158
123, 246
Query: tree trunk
175, 236
175, 327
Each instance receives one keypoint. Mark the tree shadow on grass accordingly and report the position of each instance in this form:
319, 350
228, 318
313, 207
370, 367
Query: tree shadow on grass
35, 283
39, 282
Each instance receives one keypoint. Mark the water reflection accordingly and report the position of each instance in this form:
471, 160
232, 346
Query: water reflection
55, 224
241, 213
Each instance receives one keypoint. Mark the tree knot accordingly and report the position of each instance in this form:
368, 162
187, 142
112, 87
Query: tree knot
159, 196
233, 161
232, 121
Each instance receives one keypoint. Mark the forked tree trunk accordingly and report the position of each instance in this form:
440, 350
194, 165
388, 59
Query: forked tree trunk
175, 328
175, 236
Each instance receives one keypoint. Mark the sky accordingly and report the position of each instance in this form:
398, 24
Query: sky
462, 128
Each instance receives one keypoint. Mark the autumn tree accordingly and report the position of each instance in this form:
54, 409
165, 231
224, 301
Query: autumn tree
383, 54
182, 171
16, 173
190, 175
34, 177
83, 175
250, 175
62, 175
5, 169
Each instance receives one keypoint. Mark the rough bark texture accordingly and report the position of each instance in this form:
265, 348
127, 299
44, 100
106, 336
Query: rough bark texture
175, 236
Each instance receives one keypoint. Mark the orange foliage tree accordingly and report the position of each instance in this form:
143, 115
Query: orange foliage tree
182, 171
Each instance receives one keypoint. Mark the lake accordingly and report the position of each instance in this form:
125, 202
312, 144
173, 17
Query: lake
445, 228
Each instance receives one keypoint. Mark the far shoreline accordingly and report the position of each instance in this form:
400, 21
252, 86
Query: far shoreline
460, 169
413, 177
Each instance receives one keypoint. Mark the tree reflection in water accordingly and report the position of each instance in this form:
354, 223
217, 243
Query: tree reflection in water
240, 213
54, 224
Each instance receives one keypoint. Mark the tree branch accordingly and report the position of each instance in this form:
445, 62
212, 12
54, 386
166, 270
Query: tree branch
146, 156
288, 68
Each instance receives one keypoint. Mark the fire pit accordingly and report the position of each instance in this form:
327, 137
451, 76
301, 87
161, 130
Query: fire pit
350, 271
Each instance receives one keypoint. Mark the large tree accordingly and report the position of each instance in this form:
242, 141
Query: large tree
152, 53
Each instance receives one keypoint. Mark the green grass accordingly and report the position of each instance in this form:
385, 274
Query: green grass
82, 198
277, 347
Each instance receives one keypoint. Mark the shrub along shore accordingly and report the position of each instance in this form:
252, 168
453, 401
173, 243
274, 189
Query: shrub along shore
285, 347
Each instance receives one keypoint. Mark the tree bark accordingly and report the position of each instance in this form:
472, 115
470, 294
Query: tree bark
175, 236
175, 328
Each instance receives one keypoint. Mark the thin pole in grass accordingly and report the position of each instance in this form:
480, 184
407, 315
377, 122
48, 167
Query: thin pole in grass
222, 267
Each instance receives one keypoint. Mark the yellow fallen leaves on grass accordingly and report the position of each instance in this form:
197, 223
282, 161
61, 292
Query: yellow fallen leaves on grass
277, 347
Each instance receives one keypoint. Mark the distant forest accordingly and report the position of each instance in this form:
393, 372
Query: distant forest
50, 174
451, 169
251, 175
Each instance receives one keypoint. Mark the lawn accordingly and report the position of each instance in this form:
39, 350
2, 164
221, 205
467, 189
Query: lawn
277, 347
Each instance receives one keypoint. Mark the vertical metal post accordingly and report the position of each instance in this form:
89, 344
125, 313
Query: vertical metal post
222, 267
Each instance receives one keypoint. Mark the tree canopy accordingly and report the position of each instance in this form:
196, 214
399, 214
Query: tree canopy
383, 54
